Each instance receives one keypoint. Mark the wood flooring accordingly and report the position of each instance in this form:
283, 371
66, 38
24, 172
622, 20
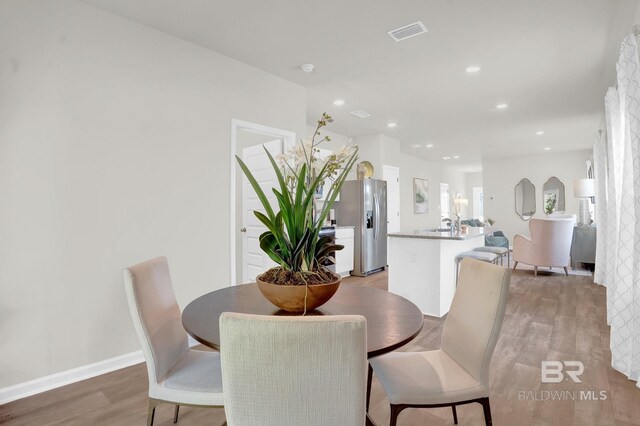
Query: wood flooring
549, 317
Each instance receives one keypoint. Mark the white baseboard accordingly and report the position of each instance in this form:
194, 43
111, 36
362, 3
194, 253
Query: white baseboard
42, 384
63, 378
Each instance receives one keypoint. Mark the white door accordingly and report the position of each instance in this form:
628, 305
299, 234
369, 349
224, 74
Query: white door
392, 175
444, 201
254, 260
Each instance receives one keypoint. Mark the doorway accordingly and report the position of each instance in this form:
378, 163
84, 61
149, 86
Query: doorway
248, 141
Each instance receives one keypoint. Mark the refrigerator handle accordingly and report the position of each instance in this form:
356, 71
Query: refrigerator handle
376, 221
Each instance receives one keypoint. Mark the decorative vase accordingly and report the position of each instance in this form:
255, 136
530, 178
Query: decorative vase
291, 298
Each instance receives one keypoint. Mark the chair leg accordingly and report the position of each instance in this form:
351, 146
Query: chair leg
514, 265
455, 415
535, 271
486, 408
369, 377
395, 411
151, 412
566, 271
175, 414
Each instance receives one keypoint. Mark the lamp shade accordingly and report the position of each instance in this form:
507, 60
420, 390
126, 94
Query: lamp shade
584, 188
460, 202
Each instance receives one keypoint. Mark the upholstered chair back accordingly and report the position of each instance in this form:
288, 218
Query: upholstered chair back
156, 316
293, 371
551, 241
473, 323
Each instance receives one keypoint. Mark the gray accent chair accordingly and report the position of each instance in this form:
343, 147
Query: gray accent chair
496, 239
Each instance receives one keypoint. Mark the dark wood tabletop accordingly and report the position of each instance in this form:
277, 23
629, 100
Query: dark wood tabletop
392, 321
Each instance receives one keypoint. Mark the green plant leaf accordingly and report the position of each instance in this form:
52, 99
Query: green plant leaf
256, 187
269, 245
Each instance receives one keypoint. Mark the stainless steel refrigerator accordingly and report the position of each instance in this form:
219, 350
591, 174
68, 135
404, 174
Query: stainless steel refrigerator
363, 204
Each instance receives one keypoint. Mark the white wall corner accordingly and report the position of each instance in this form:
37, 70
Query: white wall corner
43, 384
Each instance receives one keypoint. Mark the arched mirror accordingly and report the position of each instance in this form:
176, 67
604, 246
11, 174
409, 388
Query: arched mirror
525, 199
553, 196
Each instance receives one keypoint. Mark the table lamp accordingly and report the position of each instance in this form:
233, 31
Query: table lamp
584, 189
458, 203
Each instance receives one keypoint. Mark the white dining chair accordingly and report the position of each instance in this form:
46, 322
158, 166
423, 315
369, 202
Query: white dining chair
458, 372
178, 374
292, 371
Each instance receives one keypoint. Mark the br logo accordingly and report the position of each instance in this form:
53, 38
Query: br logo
554, 371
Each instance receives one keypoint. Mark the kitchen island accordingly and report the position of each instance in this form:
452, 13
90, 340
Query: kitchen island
422, 266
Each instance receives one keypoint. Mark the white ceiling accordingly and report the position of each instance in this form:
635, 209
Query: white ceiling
550, 60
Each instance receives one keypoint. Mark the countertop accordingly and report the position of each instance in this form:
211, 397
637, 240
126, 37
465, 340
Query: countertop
435, 235
343, 226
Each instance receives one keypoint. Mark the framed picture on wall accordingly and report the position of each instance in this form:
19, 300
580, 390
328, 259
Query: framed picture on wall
420, 196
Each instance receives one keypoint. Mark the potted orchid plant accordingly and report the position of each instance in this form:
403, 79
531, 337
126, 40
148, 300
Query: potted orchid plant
292, 239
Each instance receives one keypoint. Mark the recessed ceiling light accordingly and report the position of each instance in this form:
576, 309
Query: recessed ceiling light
471, 69
415, 145
392, 124
446, 158
429, 145
455, 157
338, 102
540, 132
502, 106
547, 148
307, 67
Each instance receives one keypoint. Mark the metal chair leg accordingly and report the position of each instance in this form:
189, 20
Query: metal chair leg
486, 408
151, 412
455, 415
515, 265
566, 271
395, 411
369, 377
175, 414
535, 271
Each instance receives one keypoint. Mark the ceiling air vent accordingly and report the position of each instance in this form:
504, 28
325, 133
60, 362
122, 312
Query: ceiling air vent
407, 31
360, 113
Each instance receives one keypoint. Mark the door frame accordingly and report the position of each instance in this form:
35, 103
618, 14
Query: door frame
288, 138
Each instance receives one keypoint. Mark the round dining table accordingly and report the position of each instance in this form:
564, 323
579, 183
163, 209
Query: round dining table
392, 320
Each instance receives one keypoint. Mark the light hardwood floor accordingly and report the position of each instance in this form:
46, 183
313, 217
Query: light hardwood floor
549, 317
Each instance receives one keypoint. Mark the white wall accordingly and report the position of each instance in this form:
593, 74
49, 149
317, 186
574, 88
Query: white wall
337, 140
114, 148
472, 180
501, 175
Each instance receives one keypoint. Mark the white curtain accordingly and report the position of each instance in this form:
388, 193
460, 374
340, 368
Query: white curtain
614, 178
620, 217
600, 171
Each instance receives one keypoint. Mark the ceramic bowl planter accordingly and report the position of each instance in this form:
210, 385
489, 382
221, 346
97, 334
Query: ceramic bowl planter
291, 298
